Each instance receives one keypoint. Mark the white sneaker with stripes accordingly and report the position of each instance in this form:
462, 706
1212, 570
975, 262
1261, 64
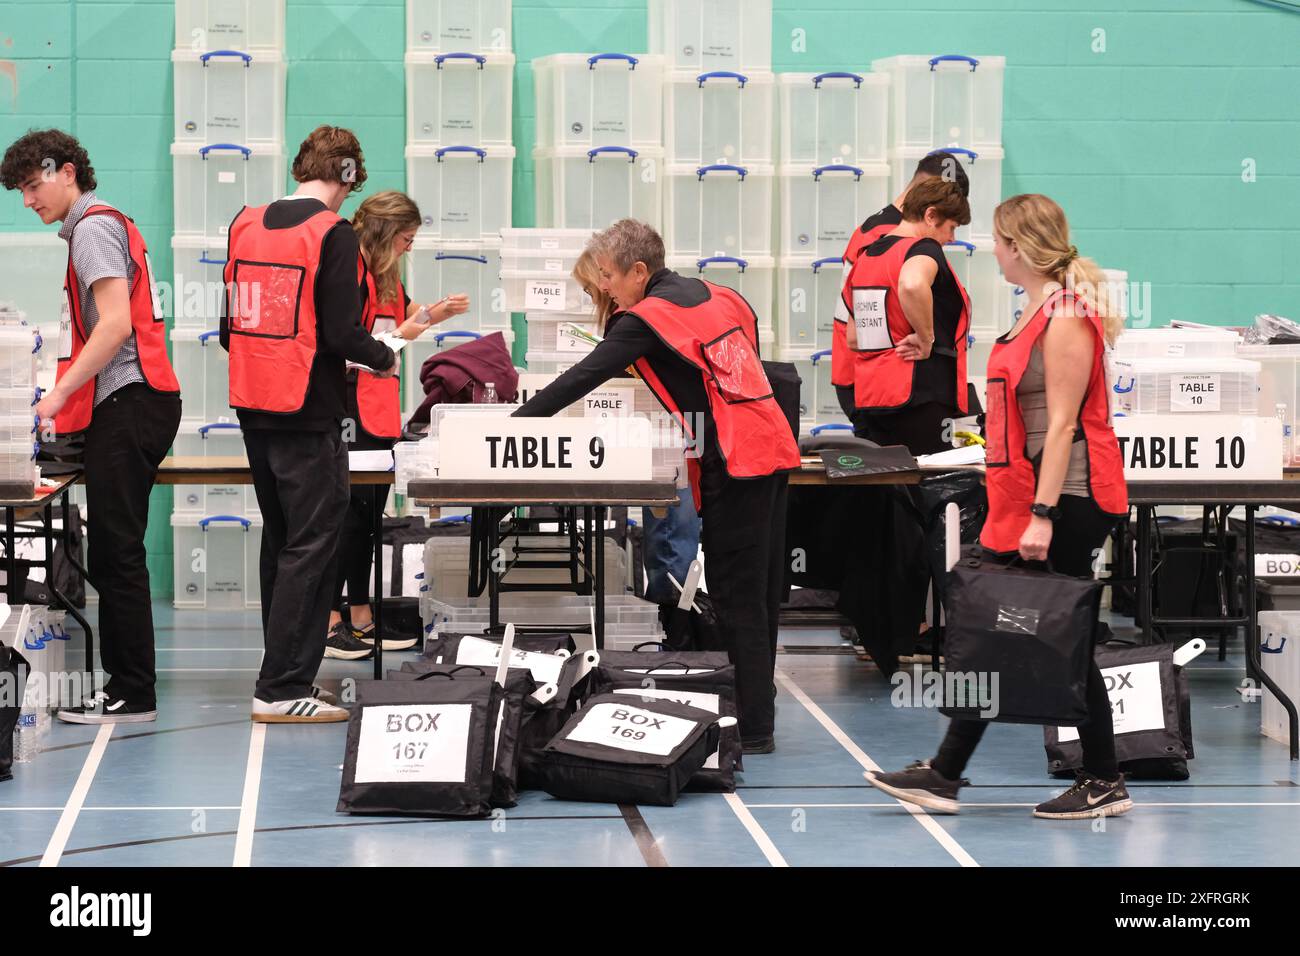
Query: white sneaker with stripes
304, 710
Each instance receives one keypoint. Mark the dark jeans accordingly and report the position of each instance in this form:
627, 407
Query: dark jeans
128, 436
1080, 531
357, 545
671, 544
301, 480
744, 562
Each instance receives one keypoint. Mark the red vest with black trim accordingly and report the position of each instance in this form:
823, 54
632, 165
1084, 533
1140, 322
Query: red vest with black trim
841, 354
876, 324
1010, 474
718, 337
270, 279
146, 322
379, 400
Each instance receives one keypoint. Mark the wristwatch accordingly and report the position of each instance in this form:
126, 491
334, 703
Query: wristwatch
1045, 511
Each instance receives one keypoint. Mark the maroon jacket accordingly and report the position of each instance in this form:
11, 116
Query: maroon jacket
446, 375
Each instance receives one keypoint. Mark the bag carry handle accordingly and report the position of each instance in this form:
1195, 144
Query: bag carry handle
467, 667
685, 667
436, 674
649, 644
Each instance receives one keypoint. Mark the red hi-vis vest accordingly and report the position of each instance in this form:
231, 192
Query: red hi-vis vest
379, 400
719, 337
881, 379
841, 354
146, 323
1010, 474
270, 279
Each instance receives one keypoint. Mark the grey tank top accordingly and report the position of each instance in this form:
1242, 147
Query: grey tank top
1031, 393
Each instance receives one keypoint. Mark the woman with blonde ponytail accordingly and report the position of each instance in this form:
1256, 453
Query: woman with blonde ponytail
385, 225
1054, 473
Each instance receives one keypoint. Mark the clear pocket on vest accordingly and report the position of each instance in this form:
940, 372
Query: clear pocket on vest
995, 423
264, 299
736, 368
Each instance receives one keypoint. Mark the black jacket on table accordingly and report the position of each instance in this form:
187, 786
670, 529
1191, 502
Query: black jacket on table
340, 337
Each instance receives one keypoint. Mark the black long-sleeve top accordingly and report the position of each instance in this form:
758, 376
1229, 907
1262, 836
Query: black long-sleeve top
340, 336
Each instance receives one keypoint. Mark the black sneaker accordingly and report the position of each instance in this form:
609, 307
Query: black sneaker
757, 745
918, 783
366, 635
342, 646
103, 709
1089, 797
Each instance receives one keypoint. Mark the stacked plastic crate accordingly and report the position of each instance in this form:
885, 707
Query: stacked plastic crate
833, 174
719, 97
536, 278
19, 347
459, 162
228, 152
954, 102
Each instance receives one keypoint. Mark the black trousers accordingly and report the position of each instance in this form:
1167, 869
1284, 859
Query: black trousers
357, 545
301, 480
128, 437
922, 428
743, 534
1080, 531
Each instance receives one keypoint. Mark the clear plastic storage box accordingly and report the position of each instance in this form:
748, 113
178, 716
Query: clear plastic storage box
580, 188
213, 183
463, 191
1279, 387
457, 99
717, 35
808, 295
437, 269
974, 265
821, 206
950, 99
720, 117
32, 269
1161, 386
203, 369
753, 278
721, 209
818, 402
984, 169
837, 117
560, 332
228, 96
455, 26
216, 560
199, 287
603, 99
1170, 342
203, 25
215, 439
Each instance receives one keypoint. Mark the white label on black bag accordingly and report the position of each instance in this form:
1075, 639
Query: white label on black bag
545, 668
870, 330
631, 728
674, 671
1277, 565
1195, 393
413, 743
1136, 702
709, 702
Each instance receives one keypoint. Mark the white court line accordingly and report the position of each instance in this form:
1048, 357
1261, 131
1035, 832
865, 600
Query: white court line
252, 784
760, 836
120, 809
944, 838
59, 839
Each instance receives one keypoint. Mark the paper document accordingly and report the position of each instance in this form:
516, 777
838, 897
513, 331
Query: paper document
969, 455
392, 340
370, 461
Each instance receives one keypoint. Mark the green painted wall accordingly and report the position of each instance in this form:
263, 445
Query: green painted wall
1144, 143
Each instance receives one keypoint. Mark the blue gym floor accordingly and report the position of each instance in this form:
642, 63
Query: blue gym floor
206, 787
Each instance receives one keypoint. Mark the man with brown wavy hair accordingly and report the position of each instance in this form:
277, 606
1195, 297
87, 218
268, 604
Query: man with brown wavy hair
292, 320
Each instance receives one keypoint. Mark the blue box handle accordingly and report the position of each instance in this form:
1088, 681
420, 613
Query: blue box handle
832, 428
29, 646
818, 356
1017, 291
825, 262
481, 153
204, 522
970, 154
722, 168
970, 340
1131, 385
459, 56
205, 261
204, 429
968, 246
1277, 521
702, 264
631, 60
631, 154
452, 519
443, 256
837, 168
722, 75
246, 57
437, 339
37, 394
837, 75
204, 336
39, 342
225, 147
1265, 649
954, 57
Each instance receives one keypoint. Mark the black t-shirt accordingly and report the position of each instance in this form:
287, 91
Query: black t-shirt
891, 215
936, 377
340, 336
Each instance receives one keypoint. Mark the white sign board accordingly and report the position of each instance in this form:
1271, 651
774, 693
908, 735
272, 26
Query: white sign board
1200, 448
545, 449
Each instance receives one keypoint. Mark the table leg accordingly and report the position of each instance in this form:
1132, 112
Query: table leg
494, 579
85, 577
1143, 583
11, 559
1254, 666
598, 572
377, 599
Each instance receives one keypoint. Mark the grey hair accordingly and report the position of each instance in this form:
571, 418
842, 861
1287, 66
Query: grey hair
628, 242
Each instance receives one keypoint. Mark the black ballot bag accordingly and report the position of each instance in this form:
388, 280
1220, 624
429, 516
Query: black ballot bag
425, 747
704, 681
10, 706
1151, 707
1025, 637
441, 644
694, 628
620, 749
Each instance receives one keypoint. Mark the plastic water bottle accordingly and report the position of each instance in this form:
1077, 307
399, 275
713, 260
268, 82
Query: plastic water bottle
489, 395
1283, 416
26, 744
